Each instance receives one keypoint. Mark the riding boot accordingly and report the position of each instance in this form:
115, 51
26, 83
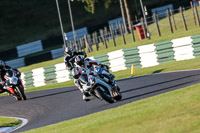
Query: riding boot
86, 96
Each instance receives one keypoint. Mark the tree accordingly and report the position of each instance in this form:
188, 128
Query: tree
90, 7
129, 12
90, 4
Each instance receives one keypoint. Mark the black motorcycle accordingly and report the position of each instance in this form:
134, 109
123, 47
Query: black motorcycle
14, 85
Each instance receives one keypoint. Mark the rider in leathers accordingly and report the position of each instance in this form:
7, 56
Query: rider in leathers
70, 57
3, 69
89, 65
69, 60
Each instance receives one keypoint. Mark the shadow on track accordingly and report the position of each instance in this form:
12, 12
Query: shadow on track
42, 96
126, 91
160, 91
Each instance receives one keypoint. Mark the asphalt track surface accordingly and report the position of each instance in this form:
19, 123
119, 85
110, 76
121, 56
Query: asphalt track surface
47, 107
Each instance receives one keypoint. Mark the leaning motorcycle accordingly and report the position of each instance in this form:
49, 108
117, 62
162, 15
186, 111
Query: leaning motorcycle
14, 85
99, 71
99, 89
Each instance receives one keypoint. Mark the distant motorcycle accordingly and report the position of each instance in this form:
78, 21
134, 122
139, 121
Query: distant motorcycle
14, 85
99, 89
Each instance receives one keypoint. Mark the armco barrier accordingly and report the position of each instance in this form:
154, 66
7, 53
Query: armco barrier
17, 63
196, 45
103, 59
142, 56
57, 53
183, 49
131, 56
148, 56
116, 60
165, 52
29, 48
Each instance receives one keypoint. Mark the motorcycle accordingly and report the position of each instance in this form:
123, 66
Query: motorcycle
101, 70
14, 85
99, 89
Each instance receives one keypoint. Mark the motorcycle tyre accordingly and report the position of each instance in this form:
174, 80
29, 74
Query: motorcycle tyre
119, 96
21, 93
105, 97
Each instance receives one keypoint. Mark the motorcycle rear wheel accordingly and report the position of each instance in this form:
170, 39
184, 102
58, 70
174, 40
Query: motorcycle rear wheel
104, 96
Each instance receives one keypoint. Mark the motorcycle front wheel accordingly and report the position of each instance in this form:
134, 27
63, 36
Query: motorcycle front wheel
104, 95
20, 92
119, 96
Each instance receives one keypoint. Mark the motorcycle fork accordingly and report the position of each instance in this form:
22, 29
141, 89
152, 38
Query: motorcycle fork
111, 91
94, 90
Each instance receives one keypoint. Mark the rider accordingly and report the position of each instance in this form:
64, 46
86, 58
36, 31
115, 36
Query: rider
88, 63
76, 72
70, 55
3, 69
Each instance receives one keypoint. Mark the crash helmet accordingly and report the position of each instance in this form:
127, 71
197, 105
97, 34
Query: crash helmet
68, 50
79, 60
76, 72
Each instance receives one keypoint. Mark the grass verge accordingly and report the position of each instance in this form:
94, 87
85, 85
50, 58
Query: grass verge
9, 122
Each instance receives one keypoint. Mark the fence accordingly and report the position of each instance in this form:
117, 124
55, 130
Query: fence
177, 20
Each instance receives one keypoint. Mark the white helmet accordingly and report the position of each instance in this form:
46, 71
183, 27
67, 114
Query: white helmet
69, 50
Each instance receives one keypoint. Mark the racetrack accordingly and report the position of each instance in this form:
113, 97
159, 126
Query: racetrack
51, 106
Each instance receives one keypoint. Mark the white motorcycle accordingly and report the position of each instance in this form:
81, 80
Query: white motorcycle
94, 86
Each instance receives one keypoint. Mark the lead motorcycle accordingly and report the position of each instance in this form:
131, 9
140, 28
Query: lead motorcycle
100, 76
101, 70
99, 89
13, 84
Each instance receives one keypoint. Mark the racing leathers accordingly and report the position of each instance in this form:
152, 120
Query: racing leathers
88, 63
3, 70
69, 59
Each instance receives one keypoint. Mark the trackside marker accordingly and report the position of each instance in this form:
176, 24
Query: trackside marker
132, 69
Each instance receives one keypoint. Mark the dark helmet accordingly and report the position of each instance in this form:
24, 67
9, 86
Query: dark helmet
79, 60
76, 72
68, 50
